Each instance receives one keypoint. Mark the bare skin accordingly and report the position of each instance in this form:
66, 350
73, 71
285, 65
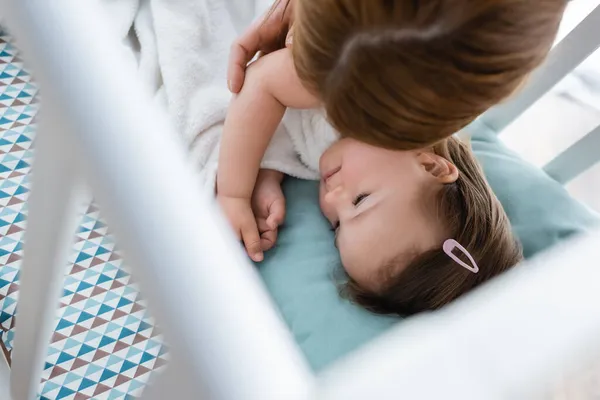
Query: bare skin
270, 87
265, 35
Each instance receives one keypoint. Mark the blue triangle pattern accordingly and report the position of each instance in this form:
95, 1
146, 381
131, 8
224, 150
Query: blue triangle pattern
103, 278
147, 357
49, 386
85, 349
64, 392
125, 332
104, 309
86, 383
64, 357
4, 317
84, 317
123, 302
112, 360
22, 164
82, 257
71, 377
106, 341
107, 374
70, 343
144, 326
83, 286
63, 323
90, 309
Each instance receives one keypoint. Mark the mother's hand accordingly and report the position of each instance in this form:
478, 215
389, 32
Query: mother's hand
264, 35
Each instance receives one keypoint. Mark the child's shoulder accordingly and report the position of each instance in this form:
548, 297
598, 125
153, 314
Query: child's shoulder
276, 74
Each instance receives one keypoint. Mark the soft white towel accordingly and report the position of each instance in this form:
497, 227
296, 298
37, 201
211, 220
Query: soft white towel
181, 48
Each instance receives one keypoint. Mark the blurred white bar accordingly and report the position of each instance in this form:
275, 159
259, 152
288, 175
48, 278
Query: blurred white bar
4, 378
207, 298
51, 226
564, 57
507, 340
575, 160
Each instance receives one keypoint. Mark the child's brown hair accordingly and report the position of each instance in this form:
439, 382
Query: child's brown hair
404, 74
473, 216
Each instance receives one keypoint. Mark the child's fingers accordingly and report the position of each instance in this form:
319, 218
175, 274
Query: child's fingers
268, 236
276, 213
268, 240
251, 239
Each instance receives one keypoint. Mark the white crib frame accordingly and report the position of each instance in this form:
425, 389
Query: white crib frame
506, 340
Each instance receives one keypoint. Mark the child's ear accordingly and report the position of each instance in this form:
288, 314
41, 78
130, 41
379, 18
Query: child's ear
438, 167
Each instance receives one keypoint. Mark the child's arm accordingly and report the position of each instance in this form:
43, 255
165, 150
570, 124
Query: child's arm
271, 85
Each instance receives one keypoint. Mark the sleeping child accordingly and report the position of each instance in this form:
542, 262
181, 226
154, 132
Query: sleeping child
416, 223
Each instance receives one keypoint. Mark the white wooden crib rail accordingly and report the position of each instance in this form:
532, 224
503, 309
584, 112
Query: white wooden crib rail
506, 340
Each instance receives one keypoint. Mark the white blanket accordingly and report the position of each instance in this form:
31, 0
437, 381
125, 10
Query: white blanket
180, 48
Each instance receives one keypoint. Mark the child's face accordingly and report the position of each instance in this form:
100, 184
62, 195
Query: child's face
381, 203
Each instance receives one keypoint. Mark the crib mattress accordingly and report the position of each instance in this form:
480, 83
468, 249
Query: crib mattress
105, 344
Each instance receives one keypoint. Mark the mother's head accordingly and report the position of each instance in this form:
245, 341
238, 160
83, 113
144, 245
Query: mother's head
404, 74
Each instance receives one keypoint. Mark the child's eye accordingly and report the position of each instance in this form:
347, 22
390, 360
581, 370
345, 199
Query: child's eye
358, 199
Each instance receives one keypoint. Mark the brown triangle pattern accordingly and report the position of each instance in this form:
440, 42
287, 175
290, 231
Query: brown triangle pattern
139, 338
97, 290
116, 284
100, 389
15, 174
120, 346
141, 370
77, 329
80, 396
96, 261
56, 371
14, 228
13, 257
159, 363
12, 202
98, 322
12, 288
137, 307
94, 234
77, 298
78, 363
99, 354
118, 314
56, 337
121, 379
76, 268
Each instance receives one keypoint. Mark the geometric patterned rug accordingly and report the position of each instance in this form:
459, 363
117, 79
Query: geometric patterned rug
105, 345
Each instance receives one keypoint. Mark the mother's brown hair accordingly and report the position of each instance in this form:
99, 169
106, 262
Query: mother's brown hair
404, 74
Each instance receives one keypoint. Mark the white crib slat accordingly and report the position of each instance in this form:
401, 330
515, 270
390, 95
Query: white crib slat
576, 159
217, 318
567, 54
51, 226
507, 340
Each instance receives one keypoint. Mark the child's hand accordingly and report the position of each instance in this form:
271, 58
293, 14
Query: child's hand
268, 205
239, 214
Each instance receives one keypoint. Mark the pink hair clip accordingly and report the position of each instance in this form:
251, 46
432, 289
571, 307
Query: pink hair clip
450, 245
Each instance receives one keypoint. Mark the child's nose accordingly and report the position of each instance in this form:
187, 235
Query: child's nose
335, 196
